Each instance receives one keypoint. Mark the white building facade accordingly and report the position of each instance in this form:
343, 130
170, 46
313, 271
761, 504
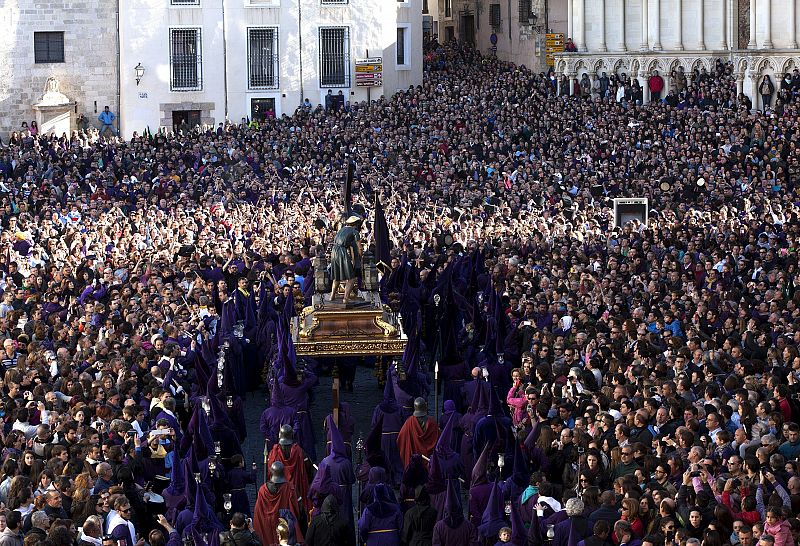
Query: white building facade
638, 36
71, 43
205, 61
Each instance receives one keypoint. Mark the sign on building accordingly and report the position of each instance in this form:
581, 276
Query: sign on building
554, 43
369, 72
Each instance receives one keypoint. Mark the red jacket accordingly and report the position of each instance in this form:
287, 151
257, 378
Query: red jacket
656, 83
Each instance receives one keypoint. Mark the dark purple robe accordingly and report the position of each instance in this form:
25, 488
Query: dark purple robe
392, 423
478, 499
298, 397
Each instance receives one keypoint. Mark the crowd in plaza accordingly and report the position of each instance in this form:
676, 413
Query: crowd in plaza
601, 384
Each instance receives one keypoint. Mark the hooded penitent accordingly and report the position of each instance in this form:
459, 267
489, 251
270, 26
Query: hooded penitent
276, 415
341, 468
453, 529
392, 421
492, 520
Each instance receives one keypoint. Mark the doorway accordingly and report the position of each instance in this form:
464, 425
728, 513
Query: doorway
185, 120
468, 29
261, 109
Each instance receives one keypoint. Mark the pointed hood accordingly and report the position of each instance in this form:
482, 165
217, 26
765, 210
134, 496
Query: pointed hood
226, 322
444, 445
495, 409
481, 467
287, 371
190, 488
275, 394
175, 493
477, 395
521, 472
492, 519
322, 485
389, 404
453, 510
204, 519
337, 443
374, 452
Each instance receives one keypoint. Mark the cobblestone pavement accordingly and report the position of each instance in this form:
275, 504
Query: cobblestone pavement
362, 400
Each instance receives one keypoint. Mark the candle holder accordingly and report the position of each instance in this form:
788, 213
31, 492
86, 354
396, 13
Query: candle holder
206, 405
226, 503
217, 447
230, 401
197, 477
551, 533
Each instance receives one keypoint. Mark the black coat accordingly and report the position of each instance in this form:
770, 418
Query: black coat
329, 528
418, 525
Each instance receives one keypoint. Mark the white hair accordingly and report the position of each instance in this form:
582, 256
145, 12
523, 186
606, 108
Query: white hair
574, 507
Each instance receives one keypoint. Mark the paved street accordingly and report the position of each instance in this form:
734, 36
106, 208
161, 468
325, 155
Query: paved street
363, 399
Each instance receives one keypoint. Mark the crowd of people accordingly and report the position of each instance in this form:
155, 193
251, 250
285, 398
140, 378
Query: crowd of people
602, 384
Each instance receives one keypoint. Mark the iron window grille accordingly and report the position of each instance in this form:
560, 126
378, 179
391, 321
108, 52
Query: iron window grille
263, 58
185, 2
333, 2
334, 57
525, 12
186, 59
495, 20
48, 47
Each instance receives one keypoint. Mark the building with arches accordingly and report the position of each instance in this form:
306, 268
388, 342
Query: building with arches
637, 37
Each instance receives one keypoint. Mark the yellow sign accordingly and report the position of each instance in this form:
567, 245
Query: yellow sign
371, 68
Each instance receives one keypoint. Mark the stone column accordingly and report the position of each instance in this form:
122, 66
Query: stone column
579, 11
722, 42
645, 27
657, 25
730, 38
570, 77
570, 18
701, 43
642, 77
792, 24
751, 44
621, 46
768, 26
601, 20
739, 83
754, 96
679, 24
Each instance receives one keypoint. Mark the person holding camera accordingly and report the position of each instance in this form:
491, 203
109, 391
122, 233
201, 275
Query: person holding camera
241, 532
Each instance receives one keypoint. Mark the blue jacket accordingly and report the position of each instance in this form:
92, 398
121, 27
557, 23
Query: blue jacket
106, 118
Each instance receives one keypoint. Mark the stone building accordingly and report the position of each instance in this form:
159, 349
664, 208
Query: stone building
71, 43
512, 30
639, 36
186, 62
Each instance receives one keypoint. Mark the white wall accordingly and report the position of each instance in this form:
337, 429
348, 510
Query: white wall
89, 73
714, 34
373, 28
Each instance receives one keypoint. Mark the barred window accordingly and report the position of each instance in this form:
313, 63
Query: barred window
262, 58
185, 2
48, 47
334, 57
525, 11
186, 59
425, 6
494, 16
448, 8
327, 2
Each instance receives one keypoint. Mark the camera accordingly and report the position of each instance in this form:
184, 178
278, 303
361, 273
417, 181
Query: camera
694, 474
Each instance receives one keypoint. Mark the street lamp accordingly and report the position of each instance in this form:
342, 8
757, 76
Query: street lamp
139, 69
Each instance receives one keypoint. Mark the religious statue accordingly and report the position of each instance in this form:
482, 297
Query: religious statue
345, 256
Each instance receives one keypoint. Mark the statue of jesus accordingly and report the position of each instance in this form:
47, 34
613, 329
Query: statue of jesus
345, 254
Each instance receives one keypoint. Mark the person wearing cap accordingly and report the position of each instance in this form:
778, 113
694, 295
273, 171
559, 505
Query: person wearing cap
345, 254
276, 498
419, 433
295, 463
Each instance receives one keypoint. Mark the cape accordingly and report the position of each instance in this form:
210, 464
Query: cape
412, 439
